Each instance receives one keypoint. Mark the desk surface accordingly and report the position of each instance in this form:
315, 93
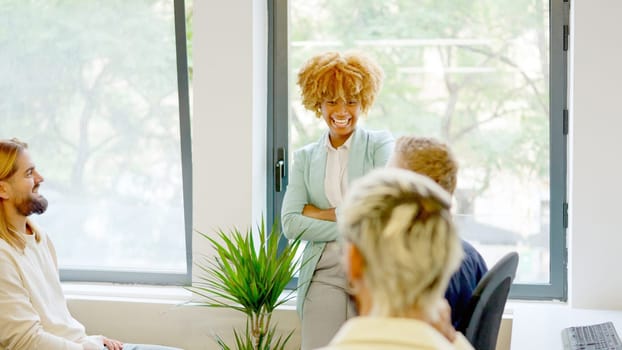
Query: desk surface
539, 325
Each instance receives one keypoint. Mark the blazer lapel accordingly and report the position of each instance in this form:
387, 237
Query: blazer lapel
357, 155
317, 172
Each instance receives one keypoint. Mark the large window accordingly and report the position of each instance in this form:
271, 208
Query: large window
486, 77
99, 90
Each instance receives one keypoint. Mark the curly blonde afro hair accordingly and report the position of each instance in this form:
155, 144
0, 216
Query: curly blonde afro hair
333, 75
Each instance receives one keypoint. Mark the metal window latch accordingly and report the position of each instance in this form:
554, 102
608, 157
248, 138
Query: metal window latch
279, 170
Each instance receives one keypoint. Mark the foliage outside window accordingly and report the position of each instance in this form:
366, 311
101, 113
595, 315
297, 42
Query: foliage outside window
474, 74
92, 86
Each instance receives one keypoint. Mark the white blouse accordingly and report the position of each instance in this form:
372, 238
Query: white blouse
336, 177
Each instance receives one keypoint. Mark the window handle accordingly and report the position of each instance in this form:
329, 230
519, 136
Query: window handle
279, 170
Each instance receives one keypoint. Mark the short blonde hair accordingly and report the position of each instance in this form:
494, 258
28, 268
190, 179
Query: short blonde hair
10, 150
400, 223
428, 157
333, 75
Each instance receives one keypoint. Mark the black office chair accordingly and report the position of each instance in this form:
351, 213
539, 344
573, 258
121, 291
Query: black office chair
482, 320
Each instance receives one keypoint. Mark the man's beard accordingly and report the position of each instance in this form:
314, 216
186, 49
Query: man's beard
32, 205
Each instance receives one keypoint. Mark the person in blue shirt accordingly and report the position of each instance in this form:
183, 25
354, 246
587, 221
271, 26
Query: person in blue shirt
435, 160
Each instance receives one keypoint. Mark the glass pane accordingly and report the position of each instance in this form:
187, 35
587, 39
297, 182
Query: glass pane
473, 74
92, 87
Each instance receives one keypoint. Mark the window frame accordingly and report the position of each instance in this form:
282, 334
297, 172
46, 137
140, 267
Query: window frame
158, 278
278, 138
277, 108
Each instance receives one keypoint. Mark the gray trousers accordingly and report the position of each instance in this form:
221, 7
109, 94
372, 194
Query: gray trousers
327, 305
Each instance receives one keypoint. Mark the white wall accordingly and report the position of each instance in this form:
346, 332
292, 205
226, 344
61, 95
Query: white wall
229, 102
595, 166
168, 323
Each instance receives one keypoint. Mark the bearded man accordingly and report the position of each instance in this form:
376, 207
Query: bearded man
33, 309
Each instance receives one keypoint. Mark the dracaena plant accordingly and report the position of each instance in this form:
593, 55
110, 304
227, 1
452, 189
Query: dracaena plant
250, 278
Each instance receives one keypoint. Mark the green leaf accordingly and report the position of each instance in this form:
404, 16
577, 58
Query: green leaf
248, 275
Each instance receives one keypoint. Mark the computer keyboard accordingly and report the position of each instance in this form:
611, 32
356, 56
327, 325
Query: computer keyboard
592, 337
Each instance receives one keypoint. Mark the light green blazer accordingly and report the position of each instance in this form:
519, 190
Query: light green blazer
368, 150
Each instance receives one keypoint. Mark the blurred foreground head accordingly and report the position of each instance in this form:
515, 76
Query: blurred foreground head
401, 247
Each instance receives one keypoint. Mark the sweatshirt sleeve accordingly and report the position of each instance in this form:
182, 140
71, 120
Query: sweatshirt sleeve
20, 326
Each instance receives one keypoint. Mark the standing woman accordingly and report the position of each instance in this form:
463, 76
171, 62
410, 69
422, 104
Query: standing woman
338, 88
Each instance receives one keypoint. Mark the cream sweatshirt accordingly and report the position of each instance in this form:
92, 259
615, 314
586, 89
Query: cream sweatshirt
33, 309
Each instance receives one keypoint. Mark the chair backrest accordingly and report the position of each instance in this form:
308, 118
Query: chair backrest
482, 320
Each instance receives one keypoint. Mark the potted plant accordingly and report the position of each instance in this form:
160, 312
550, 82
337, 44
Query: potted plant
249, 278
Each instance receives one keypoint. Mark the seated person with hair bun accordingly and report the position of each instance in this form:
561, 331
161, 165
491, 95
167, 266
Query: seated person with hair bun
400, 248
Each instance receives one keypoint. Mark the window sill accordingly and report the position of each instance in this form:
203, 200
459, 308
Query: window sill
173, 295
123, 292
179, 295
514, 304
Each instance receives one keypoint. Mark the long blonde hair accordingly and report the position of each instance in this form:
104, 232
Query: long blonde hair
400, 223
10, 150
